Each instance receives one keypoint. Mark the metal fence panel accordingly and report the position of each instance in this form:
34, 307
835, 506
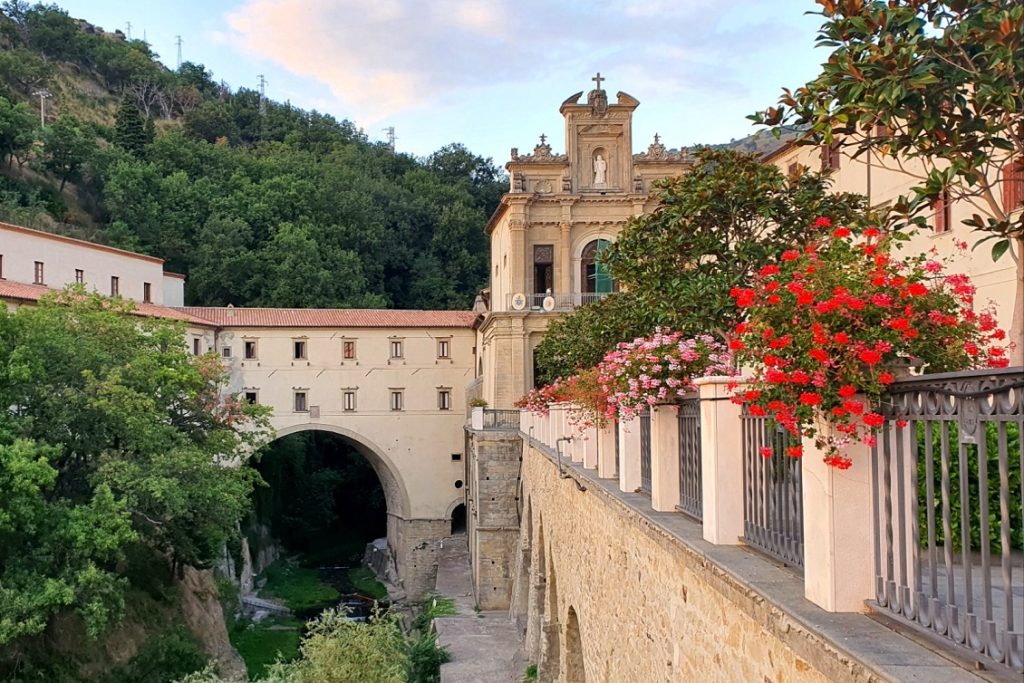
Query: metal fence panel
691, 499
948, 522
501, 419
773, 519
645, 453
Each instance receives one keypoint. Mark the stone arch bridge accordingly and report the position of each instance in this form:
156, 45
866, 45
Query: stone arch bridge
391, 383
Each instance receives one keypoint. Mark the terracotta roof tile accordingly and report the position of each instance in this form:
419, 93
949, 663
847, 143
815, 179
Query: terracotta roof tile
21, 291
330, 317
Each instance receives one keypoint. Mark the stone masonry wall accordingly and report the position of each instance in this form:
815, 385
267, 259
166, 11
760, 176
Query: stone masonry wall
611, 600
493, 514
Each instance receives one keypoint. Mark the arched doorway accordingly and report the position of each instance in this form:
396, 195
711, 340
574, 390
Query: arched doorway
459, 519
594, 276
573, 669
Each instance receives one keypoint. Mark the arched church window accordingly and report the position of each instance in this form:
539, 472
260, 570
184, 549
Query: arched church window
594, 276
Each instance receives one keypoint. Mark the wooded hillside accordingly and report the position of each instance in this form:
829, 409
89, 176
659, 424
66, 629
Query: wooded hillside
259, 203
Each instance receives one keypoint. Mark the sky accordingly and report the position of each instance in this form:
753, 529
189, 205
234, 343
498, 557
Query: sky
491, 74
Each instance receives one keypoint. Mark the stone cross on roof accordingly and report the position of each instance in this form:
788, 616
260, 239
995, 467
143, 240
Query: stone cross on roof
657, 138
543, 138
597, 79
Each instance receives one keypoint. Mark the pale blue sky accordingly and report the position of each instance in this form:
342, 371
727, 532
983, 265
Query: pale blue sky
491, 73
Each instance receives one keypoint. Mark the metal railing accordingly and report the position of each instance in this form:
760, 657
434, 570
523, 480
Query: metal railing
773, 515
558, 301
690, 471
501, 419
645, 453
948, 473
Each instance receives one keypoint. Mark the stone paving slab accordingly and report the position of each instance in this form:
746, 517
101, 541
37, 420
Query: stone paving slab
484, 646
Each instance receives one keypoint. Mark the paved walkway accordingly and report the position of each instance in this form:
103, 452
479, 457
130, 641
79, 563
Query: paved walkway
483, 645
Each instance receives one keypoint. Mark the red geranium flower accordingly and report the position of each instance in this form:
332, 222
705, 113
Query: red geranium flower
870, 357
809, 398
823, 222
873, 420
790, 255
847, 390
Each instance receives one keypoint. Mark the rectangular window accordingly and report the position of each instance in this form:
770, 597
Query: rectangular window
300, 402
250, 350
79, 276
793, 170
38, 273
115, 285
196, 346
396, 399
1, 266
250, 397
349, 401
396, 348
226, 352
444, 399
147, 293
1013, 185
348, 350
943, 213
543, 268
456, 457
444, 348
830, 157
299, 349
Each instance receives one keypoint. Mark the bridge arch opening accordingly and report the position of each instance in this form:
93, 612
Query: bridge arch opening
330, 492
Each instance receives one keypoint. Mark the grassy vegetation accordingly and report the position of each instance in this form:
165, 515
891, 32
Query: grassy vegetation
260, 645
298, 587
365, 583
531, 674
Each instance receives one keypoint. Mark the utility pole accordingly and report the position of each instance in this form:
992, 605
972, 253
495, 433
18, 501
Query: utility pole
128, 24
263, 104
391, 138
178, 43
42, 94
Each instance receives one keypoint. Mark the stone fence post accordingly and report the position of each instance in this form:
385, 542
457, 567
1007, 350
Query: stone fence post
721, 441
589, 447
665, 458
838, 545
629, 455
607, 437
476, 418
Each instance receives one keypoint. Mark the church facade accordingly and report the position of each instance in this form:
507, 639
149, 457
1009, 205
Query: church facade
562, 210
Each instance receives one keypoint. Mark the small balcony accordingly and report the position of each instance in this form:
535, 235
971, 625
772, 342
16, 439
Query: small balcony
550, 302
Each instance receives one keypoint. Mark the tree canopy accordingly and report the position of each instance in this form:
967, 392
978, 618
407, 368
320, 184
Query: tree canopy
715, 226
114, 435
938, 84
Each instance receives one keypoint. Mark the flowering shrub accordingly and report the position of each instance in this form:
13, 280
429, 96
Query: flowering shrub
657, 369
826, 324
538, 401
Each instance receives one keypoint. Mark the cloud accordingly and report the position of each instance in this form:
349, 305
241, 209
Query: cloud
378, 58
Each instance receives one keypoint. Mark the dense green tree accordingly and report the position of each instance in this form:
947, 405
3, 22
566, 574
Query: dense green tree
714, 227
211, 121
66, 148
114, 432
130, 132
580, 340
938, 82
17, 129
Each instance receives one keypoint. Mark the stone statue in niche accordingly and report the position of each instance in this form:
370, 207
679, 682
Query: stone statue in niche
600, 170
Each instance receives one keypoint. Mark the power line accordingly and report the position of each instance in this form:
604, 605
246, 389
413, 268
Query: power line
128, 24
391, 137
177, 40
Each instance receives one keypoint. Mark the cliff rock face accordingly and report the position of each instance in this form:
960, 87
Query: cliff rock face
204, 617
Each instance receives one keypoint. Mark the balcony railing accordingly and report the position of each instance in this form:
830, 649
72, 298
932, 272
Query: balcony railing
550, 303
947, 520
501, 419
